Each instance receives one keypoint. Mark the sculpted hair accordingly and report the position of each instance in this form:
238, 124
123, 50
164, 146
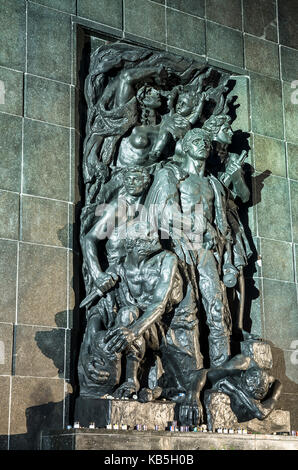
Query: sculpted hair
195, 133
138, 169
214, 123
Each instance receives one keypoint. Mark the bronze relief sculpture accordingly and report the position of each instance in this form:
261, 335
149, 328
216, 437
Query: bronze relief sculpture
162, 241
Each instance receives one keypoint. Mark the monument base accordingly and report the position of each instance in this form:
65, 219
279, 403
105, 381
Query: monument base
107, 440
130, 412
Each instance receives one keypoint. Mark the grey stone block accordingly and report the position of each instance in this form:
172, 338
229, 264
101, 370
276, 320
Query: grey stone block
9, 215
288, 19
39, 352
292, 153
277, 260
8, 275
69, 6
154, 26
13, 33
4, 415
266, 106
46, 160
44, 221
107, 12
280, 309
6, 341
224, 44
42, 270
261, 56
227, 14
12, 83
185, 31
289, 63
36, 404
260, 19
294, 205
272, 192
291, 112
47, 100
49, 43
269, 155
194, 7
10, 152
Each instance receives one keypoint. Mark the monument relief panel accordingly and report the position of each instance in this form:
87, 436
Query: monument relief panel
164, 246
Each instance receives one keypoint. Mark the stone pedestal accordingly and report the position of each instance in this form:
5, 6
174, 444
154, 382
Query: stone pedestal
129, 412
259, 351
110, 440
223, 417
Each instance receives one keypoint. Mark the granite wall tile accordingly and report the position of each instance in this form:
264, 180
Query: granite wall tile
292, 154
266, 106
260, 18
273, 208
288, 401
9, 215
284, 369
36, 405
185, 31
294, 206
269, 155
39, 352
288, 20
47, 100
13, 34
253, 310
49, 43
277, 260
241, 90
44, 221
296, 261
194, 7
4, 415
280, 308
8, 275
46, 164
42, 294
6, 341
291, 111
10, 152
224, 44
227, 13
107, 12
12, 89
261, 56
69, 6
154, 25
289, 64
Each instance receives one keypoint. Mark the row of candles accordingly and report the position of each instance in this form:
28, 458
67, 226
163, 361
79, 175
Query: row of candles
173, 427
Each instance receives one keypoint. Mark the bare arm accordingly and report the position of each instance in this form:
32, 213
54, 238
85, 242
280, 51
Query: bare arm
101, 230
125, 90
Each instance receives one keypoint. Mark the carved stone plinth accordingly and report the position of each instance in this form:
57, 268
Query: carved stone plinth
129, 412
259, 351
222, 416
110, 440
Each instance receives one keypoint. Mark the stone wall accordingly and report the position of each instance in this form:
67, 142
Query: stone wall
44, 51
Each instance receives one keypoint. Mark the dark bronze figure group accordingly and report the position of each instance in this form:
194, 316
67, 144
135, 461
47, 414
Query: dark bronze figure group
161, 237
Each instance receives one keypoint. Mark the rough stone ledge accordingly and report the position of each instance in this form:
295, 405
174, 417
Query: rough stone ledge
103, 439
